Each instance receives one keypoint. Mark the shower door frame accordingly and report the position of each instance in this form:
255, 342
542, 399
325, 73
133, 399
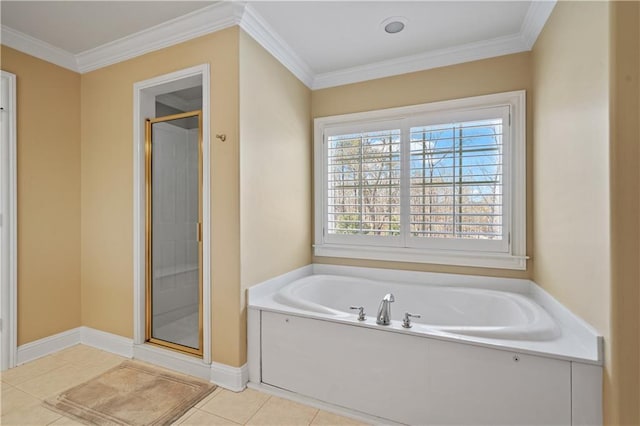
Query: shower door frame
149, 234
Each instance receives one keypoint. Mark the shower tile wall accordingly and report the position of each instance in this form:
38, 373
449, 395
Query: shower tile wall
175, 246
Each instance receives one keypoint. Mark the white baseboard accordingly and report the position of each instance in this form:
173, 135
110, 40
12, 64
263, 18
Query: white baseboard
232, 378
48, 345
107, 341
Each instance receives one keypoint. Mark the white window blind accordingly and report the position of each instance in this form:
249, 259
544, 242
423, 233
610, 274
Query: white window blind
456, 180
363, 181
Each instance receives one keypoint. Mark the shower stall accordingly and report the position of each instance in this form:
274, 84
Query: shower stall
173, 154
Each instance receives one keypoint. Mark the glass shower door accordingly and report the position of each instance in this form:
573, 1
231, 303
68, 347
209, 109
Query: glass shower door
174, 232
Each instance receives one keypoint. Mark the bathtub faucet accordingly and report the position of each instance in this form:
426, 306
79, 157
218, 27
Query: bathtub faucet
384, 311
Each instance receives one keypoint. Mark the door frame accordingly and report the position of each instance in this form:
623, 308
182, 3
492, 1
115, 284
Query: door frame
144, 93
149, 233
9, 220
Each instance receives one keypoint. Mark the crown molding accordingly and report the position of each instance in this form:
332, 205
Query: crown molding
537, 15
535, 19
268, 38
423, 61
195, 24
38, 48
227, 14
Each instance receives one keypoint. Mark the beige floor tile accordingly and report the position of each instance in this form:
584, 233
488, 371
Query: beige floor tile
36, 415
105, 363
209, 397
199, 417
78, 354
16, 400
282, 412
58, 380
24, 387
237, 407
185, 416
325, 418
81, 355
31, 369
103, 357
66, 421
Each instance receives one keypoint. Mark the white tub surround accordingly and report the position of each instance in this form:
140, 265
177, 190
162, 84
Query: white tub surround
485, 350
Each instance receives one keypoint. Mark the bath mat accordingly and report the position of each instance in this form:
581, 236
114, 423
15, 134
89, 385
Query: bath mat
131, 394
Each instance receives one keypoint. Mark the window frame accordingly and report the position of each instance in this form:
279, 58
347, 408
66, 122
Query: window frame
455, 252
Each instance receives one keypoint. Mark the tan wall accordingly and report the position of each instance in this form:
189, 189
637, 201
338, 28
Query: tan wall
107, 188
571, 166
275, 166
501, 74
623, 394
48, 102
586, 109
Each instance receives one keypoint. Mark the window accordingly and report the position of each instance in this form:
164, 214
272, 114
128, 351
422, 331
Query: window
434, 183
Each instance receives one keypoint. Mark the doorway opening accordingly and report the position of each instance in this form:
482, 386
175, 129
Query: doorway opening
172, 284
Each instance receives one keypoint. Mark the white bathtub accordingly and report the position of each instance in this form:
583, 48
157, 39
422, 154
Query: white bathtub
457, 310
486, 351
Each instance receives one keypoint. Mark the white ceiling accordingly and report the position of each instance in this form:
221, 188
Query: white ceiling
78, 26
330, 36
324, 43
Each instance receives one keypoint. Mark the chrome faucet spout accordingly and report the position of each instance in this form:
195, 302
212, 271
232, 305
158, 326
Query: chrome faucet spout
384, 310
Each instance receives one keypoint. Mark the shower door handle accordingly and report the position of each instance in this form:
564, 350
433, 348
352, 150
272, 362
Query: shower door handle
199, 224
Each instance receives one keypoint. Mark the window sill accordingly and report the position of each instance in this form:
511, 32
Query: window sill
441, 257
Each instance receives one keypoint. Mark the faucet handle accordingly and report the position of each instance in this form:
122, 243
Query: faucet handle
361, 315
406, 321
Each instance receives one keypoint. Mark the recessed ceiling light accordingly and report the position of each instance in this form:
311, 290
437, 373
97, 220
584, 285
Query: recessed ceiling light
394, 24
394, 27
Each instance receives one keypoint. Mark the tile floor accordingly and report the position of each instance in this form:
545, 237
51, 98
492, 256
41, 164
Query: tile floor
25, 387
